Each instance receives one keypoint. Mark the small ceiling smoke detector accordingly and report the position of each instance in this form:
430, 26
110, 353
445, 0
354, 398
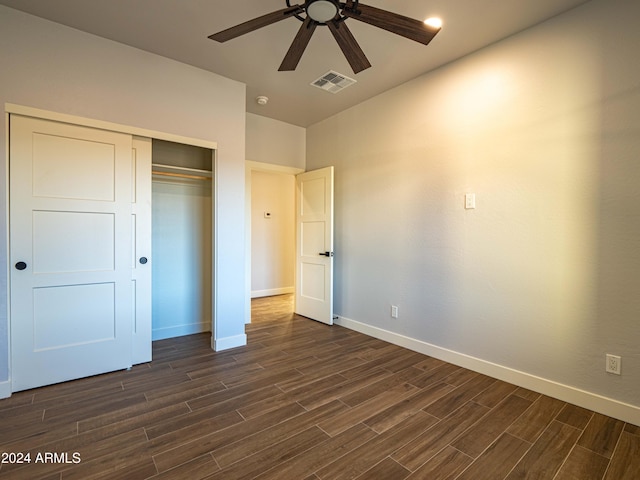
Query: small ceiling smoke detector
262, 100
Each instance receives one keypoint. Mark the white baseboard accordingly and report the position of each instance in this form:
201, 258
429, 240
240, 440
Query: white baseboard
179, 331
591, 401
5, 389
271, 292
219, 344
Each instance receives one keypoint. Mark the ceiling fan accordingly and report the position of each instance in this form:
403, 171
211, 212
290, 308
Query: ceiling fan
333, 14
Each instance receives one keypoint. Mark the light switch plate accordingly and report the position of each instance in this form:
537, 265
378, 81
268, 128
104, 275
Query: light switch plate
470, 201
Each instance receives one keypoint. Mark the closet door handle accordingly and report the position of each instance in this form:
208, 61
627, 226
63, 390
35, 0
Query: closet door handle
143, 260
21, 266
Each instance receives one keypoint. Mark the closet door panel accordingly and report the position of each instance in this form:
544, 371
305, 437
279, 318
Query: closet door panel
70, 249
141, 254
66, 242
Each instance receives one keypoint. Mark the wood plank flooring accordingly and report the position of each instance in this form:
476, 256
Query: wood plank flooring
305, 401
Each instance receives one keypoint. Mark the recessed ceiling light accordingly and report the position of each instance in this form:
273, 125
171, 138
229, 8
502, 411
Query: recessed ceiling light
434, 22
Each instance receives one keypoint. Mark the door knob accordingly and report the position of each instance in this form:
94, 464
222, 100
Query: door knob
143, 260
326, 254
21, 266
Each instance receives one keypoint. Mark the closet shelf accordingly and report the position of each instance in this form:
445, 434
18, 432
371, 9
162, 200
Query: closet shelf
181, 172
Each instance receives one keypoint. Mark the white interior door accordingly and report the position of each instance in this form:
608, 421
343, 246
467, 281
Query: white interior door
141, 248
70, 250
314, 245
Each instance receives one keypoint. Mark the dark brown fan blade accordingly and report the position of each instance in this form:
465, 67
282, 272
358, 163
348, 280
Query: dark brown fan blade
298, 46
256, 23
355, 56
392, 22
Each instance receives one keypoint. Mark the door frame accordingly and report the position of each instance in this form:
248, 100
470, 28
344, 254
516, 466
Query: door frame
14, 109
252, 166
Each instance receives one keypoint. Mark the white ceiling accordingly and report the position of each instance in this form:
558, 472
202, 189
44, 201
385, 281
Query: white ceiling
178, 29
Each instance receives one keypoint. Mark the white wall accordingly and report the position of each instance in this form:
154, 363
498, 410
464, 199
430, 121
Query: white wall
540, 280
275, 142
52, 67
272, 238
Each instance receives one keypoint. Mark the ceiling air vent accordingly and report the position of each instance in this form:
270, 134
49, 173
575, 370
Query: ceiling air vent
333, 82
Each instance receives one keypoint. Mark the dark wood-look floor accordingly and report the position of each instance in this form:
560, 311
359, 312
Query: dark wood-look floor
306, 401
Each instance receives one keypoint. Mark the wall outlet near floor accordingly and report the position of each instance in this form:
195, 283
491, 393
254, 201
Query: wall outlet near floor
614, 364
394, 311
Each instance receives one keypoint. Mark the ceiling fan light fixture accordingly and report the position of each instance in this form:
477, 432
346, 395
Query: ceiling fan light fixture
322, 10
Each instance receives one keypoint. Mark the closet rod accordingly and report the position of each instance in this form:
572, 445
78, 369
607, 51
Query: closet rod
176, 168
181, 175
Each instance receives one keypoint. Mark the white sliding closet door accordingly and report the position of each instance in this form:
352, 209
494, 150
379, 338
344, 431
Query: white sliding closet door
71, 251
141, 248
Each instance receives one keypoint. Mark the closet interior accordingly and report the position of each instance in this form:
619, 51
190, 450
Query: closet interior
182, 239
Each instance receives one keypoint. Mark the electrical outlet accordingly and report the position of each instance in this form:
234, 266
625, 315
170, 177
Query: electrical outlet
394, 311
614, 364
